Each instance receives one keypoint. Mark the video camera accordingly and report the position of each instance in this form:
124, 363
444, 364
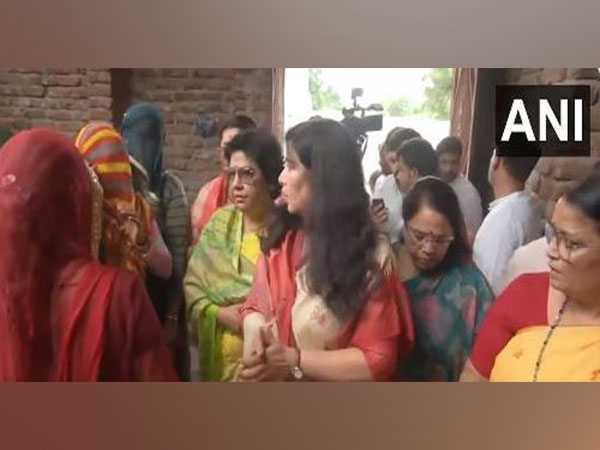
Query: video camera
358, 123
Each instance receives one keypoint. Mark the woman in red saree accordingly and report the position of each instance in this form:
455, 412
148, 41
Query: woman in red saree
326, 304
63, 315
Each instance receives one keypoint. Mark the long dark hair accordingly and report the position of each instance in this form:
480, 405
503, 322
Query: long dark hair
586, 197
341, 235
438, 195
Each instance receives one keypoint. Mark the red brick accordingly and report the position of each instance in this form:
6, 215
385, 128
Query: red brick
217, 84
66, 103
187, 107
22, 102
20, 79
162, 96
214, 73
187, 119
100, 102
21, 70
7, 111
168, 83
46, 123
99, 90
99, 76
73, 126
179, 129
183, 96
67, 92
24, 91
61, 114
65, 71
35, 113
63, 80
100, 114
176, 73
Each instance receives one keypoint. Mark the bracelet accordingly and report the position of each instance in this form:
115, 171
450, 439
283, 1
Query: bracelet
297, 373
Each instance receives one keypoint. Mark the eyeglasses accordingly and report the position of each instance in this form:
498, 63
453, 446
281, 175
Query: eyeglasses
565, 246
247, 175
420, 238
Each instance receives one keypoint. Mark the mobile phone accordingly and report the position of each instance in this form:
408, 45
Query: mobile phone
377, 203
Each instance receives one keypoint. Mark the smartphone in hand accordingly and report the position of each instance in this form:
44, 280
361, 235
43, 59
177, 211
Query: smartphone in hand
377, 203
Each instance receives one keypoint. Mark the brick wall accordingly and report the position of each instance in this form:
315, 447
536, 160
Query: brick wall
69, 98
182, 94
554, 176
62, 98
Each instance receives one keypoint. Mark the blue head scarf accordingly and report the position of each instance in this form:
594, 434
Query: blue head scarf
143, 131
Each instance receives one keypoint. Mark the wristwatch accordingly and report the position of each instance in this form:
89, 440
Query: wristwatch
296, 371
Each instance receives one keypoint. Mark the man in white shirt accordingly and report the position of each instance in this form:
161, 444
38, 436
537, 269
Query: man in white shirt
449, 153
531, 258
514, 220
415, 159
387, 160
388, 218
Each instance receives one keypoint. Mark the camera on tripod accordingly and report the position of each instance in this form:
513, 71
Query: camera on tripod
358, 122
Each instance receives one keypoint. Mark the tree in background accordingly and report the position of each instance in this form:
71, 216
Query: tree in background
398, 107
322, 97
438, 94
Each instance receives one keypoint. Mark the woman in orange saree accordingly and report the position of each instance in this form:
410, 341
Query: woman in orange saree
546, 326
325, 303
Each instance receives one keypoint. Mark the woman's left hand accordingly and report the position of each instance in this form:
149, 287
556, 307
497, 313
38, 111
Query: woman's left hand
279, 358
274, 365
252, 369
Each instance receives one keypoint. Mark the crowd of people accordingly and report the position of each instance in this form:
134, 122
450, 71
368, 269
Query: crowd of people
285, 268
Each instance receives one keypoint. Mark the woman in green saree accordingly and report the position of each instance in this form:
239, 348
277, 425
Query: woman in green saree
449, 295
221, 269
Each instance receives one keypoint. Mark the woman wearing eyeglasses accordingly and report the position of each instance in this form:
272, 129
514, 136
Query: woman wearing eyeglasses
546, 326
449, 294
221, 268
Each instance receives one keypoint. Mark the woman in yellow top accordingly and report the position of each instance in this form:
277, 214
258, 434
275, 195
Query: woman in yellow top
221, 268
546, 326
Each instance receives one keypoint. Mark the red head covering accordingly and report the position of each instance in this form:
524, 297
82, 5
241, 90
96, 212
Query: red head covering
46, 208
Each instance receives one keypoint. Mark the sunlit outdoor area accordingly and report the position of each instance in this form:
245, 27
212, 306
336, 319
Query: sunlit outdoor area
417, 98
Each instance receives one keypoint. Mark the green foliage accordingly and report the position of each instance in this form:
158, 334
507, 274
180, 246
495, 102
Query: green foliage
438, 94
398, 107
322, 97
